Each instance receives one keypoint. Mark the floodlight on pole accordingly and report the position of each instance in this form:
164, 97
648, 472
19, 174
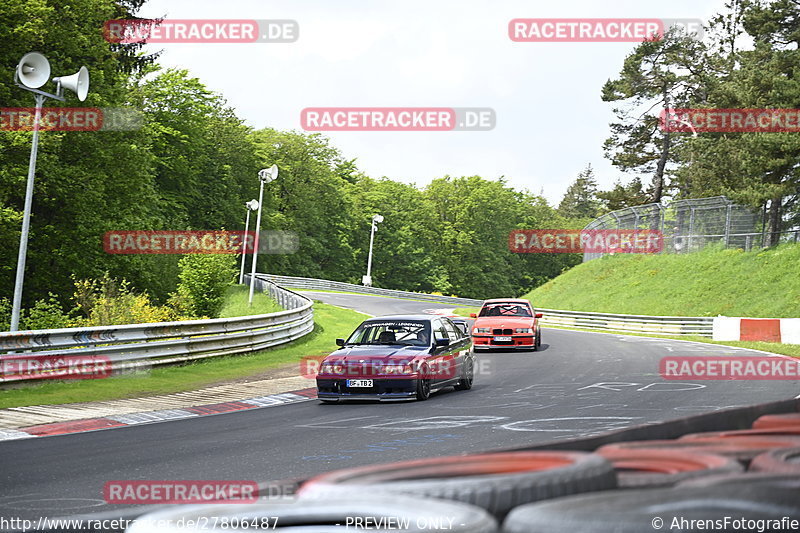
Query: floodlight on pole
252, 205
367, 280
265, 175
32, 72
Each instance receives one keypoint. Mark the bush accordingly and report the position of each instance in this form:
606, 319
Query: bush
204, 278
107, 302
45, 314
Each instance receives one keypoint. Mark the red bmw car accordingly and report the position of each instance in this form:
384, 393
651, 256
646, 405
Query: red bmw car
506, 323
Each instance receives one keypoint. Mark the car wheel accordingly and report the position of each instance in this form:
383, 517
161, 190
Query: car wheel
423, 389
465, 383
538, 339
423, 384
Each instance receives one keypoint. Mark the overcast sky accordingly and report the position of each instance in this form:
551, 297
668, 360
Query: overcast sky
429, 53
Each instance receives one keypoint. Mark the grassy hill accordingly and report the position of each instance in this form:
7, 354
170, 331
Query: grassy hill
712, 282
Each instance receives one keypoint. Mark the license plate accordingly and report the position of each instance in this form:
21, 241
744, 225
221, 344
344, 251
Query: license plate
502, 339
359, 383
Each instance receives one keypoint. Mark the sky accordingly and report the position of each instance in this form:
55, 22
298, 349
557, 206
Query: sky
551, 121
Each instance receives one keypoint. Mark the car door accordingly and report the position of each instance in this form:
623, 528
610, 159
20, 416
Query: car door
442, 360
459, 348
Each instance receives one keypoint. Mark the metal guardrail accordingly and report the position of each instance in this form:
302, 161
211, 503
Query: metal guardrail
663, 325
131, 346
326, 285
666, 325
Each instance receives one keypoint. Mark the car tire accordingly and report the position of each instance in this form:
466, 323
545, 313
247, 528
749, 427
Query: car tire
743, 449
631, 511
319, 516
423, 385
538, 342
467, 377
496, 482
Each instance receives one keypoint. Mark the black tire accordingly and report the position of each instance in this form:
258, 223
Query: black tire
538, 342
319, 516
423, 385
328, 401
467, 377
634, 511
787, 481
498, 482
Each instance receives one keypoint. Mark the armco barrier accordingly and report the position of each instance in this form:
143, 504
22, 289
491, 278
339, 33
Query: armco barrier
665, 325
325, 285
133, 346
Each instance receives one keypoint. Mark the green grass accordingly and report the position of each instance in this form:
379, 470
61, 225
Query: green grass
236, 303
330, 322
764, 283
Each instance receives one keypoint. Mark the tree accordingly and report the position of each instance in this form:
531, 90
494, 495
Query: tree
622, 196
658, 74
580, 200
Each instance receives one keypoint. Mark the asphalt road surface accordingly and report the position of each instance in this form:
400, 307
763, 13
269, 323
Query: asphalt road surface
579, 384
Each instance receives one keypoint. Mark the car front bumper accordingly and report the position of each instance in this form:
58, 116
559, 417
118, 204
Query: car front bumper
520, 342
393, 389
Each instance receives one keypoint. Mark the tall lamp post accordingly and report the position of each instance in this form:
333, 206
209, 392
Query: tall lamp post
266, 175
32, 72
367, 280
252, 205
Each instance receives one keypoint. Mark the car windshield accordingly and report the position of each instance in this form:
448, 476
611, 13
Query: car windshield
506, 309
405, 333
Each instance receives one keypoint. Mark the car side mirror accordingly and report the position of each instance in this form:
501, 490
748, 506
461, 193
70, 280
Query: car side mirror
339, 342
442, 342
538, 315
473, 315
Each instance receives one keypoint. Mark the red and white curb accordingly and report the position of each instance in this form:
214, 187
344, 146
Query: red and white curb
784, 330
149, 417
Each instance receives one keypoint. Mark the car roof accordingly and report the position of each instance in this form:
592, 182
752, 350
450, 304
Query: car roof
425, 318
507, 300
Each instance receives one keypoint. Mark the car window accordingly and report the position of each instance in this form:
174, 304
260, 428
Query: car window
401, 332
505, 309
452, 331
439, 332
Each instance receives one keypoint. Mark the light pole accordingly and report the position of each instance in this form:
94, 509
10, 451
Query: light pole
266, 175
32, 72
252, 205
367, 280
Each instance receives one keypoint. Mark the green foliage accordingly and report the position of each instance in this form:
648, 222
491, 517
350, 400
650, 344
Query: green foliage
107, 301
204, 279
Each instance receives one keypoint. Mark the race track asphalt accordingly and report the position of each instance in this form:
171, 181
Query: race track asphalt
579, 384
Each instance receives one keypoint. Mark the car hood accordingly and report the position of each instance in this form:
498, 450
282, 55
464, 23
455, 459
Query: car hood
384, 354
503, 322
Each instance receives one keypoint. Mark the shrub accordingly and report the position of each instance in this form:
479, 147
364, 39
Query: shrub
204, 278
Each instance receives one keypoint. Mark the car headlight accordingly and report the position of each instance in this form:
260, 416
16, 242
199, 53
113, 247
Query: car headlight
397, 369
480, 330
523, 330
331, 368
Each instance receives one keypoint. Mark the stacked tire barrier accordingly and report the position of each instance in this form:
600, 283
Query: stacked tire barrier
132, 346
743, 476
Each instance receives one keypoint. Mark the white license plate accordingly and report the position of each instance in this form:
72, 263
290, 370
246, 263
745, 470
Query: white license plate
360, 383
502, 339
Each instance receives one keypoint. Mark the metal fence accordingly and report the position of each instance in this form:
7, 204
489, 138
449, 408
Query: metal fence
134, 346
690, 225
